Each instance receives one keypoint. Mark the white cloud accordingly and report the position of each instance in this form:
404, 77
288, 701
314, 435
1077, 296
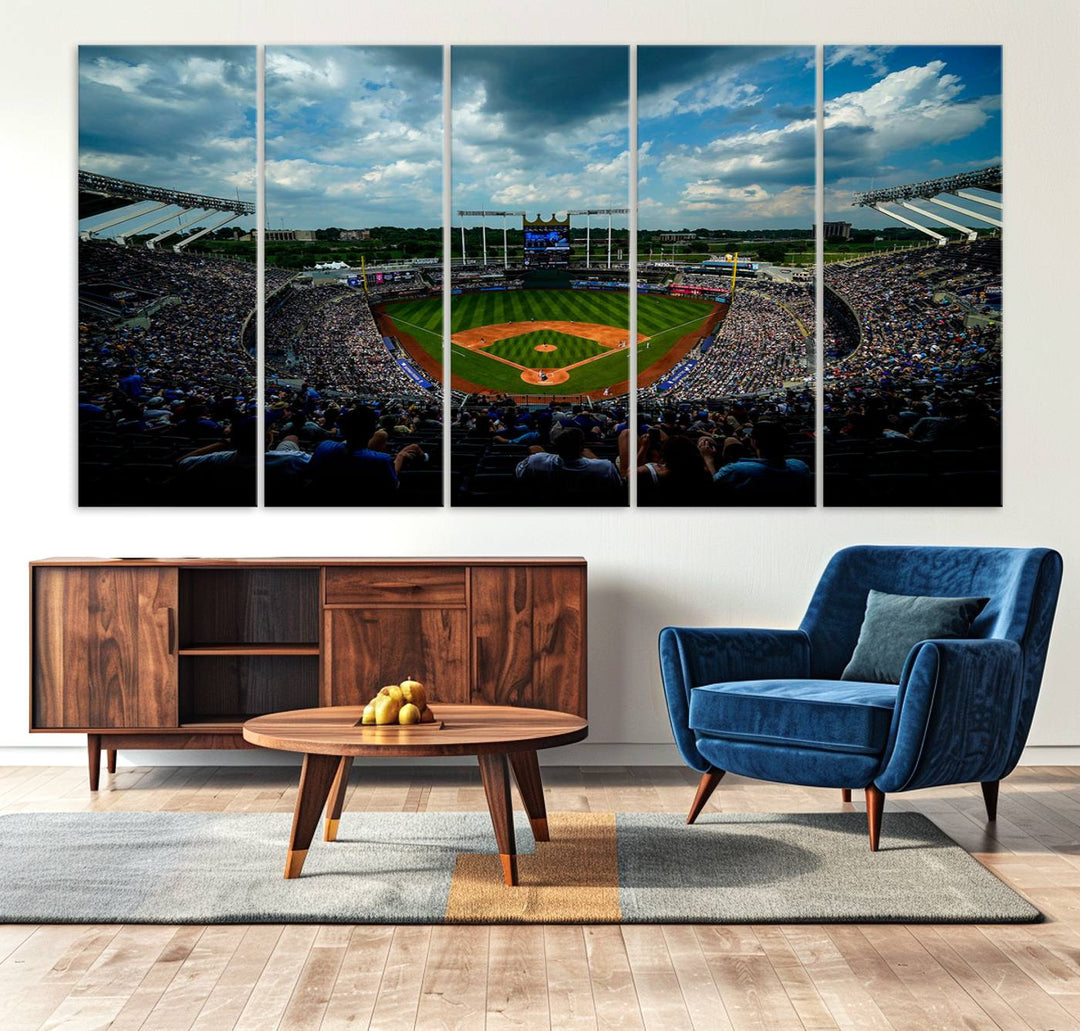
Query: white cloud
872, 57
912, 107
716, 91
126, 77
747, 155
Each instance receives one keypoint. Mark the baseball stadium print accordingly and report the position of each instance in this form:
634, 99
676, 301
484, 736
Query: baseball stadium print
166, 318
726, 305
532, 408
540, 306
354, 408
913, 293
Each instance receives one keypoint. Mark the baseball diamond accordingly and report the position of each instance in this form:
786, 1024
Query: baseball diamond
549, 341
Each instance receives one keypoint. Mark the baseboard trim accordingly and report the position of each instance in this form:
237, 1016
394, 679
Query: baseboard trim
587, 753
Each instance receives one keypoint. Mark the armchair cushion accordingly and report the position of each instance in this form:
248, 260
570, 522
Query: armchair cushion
895, 623
830, 715
690, 656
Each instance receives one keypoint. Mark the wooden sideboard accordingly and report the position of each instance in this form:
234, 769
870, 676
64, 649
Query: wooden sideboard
144, 653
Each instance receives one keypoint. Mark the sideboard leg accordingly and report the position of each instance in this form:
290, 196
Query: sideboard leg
336, 801
496, 777
526, 769
93, 755
110, 759
315, 780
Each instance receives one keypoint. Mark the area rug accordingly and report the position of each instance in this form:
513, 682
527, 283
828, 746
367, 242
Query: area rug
209, 868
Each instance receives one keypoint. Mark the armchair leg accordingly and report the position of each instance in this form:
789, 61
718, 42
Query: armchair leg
706, 786
845, 794
875, 804
990, 797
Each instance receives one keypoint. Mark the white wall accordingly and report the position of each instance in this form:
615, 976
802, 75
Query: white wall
647, 568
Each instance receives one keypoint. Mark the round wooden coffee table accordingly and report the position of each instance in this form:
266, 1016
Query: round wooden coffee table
500, 736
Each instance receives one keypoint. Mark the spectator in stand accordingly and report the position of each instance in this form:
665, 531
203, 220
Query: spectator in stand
570, 473
221, 470
679, 477
351, 471
769, 478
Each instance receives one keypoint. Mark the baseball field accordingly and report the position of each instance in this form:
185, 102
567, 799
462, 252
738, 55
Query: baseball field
549, 341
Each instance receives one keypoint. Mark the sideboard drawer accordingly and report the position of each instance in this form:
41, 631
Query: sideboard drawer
395, 585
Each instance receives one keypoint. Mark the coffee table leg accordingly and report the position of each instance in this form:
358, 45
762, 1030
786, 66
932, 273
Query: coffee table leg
527, 774
315, 780
337, 798
496, 778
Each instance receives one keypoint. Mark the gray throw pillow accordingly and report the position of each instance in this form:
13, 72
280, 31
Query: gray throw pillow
895, 623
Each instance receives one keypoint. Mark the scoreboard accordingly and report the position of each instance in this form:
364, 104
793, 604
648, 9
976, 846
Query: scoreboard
547, 243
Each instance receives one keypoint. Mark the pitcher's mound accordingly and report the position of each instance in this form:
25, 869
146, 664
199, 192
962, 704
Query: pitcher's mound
545, 347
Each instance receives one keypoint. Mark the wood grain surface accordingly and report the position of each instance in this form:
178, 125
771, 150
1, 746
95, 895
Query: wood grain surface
709, 978
466, 730
104, 647
314, 563
370, 648
395, 585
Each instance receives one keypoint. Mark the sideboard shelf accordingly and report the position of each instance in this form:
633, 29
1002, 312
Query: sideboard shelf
178, 653
248, 649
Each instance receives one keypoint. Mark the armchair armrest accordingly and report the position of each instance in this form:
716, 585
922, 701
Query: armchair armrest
955, 716
692, 656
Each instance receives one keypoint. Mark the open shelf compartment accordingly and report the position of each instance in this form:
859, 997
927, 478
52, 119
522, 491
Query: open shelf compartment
223, 689
249, 611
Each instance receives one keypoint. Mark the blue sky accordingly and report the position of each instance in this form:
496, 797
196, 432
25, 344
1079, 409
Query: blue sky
177, 117
540, 128
353, 136
725, 137
896, 115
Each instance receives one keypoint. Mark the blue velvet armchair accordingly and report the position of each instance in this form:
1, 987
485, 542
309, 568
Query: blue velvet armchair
770, 704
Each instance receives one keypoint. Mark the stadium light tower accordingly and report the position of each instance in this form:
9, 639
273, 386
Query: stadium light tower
588, 213
483, 214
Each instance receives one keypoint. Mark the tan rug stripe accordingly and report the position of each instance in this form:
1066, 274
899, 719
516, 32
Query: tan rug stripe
574, 878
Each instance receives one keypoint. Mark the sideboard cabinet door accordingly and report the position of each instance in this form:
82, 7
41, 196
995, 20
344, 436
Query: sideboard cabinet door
528, 637
365, 649
105, 647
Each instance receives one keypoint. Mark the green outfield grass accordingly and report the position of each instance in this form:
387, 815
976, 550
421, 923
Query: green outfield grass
664, 319
568, 349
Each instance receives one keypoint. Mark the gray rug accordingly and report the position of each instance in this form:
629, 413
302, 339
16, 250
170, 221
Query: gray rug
208, 868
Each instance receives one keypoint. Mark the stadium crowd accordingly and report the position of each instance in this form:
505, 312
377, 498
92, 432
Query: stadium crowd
166, 396
920, 390
759, 347
704, 280
345, 424
328, 336
917, 355
727, 452
556, 454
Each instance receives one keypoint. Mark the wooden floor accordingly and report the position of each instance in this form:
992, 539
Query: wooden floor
662, 977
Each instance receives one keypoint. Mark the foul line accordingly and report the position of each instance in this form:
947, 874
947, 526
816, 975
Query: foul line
413, 325
671, 329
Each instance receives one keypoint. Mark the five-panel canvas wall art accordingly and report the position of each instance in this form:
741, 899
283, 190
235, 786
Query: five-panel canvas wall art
770, 351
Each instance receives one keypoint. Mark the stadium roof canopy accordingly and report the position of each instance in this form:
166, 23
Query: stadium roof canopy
934, 191
101, 195
987, 179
